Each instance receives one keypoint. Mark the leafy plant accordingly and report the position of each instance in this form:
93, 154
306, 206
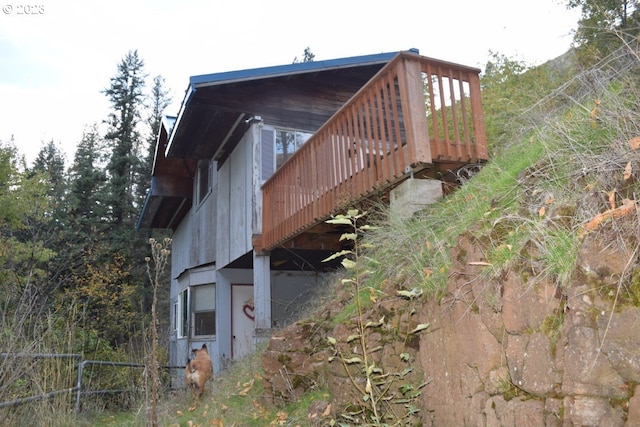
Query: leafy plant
372, 383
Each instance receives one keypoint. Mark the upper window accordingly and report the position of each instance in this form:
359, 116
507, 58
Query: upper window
287, 143
203, 181
278, 145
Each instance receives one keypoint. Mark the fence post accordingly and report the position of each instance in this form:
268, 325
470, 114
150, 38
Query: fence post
79, 385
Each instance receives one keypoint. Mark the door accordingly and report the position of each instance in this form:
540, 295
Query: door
241, 320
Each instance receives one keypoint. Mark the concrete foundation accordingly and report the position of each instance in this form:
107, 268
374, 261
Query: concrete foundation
413, 195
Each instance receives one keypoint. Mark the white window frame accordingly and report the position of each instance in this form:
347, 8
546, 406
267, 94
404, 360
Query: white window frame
194, 311
181, 320
300, 138
202, 189
174, 316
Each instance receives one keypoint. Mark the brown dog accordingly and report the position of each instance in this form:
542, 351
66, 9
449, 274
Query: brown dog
198, 371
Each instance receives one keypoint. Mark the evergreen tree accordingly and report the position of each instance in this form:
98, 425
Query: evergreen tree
98, 271
80, 221
126, 96
87, 198
51, 160
308, 56
50, 165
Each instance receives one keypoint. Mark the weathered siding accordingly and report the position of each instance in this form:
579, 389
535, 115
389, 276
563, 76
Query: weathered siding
235, 196
203, 238
181, 249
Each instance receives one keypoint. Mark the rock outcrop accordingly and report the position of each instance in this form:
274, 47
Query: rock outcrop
518, 351
513, 350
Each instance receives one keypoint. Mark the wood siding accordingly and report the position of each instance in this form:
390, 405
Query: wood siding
236, 202
194, 241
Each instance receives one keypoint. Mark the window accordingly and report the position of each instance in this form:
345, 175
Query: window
287, 143
203, 315
203, 181
277, 146
174, 317
181, 314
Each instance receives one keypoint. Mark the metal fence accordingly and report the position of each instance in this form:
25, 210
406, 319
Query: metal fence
79, 390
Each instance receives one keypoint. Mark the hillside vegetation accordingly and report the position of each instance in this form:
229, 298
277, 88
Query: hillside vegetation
563, 176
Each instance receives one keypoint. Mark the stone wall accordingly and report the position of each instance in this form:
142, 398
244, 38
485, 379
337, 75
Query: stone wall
518, 351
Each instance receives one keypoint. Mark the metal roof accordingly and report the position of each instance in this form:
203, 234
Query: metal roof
288, 71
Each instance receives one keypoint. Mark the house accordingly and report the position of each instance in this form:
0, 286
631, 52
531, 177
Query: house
256, 160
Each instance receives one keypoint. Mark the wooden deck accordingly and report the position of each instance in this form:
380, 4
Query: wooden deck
417, 114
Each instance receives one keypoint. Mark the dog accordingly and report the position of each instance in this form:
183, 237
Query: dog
198, 371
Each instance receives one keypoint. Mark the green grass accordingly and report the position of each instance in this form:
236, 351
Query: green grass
235, 397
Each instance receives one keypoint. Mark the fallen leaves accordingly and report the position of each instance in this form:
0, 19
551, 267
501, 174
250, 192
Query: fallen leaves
246, 388
280, 419
543, 210
628, 206
627, 171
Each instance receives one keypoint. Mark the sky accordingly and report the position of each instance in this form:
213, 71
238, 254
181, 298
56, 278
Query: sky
56, 57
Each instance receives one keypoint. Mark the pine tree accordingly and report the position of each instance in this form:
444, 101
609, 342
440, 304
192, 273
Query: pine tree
51, 160
126, 96
49, 165
308, 56
87, 198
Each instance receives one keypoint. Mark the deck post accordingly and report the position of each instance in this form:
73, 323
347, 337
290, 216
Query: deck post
414, 110
480, 138
262, 295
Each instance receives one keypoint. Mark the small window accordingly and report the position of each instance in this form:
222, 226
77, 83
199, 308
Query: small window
287, 143
174, 316
204, 310
181, 314
203, 180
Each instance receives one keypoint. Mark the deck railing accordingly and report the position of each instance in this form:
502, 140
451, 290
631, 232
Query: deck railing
415, 112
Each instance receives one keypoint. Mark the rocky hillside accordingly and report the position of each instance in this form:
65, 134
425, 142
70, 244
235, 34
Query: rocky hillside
516, 351
514, 301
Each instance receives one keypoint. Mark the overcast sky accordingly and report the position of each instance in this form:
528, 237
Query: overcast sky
57, 56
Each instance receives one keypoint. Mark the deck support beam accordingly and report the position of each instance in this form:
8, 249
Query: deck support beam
262, 295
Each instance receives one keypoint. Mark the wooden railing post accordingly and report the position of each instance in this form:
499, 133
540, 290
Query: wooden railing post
413, 109
480, 140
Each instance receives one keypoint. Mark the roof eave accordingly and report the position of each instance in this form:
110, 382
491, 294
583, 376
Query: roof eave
205, 80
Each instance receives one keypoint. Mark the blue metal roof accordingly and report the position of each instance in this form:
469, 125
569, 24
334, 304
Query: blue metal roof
205, 80
168, 121
286, 70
